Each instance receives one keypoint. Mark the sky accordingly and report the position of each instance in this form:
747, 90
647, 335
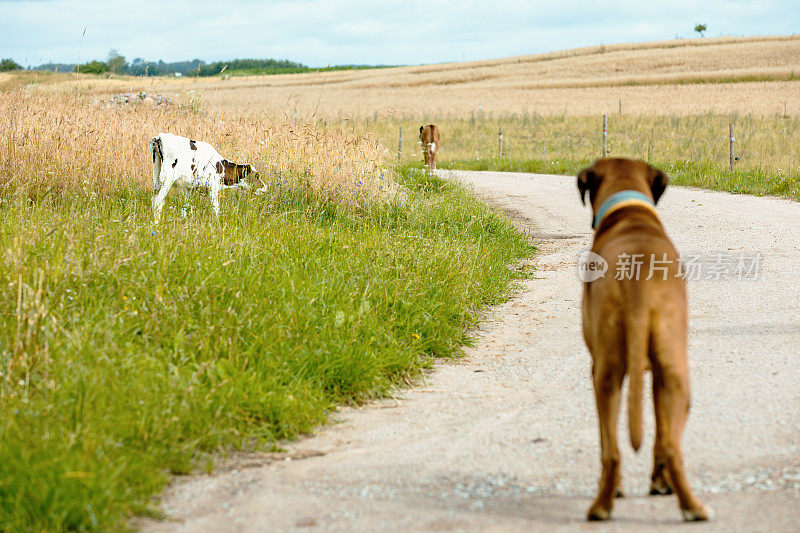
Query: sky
332, 32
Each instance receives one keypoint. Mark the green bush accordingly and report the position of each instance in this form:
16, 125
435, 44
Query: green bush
9, 64
92, 67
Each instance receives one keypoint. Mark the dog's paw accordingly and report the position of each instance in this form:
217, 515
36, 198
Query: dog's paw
597, 513
660, 489
697, 514
619, 494
660, 484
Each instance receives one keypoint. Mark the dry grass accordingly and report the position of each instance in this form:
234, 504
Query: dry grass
660, 78
51, 142
762, 143
676, 97
674, 108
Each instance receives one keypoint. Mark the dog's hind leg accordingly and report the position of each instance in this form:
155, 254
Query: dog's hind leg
660, 482
607, 387
671, 396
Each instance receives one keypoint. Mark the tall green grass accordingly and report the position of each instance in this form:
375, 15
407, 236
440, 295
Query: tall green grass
130, 352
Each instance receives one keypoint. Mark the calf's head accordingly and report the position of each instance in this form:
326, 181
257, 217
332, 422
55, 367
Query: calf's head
234, 175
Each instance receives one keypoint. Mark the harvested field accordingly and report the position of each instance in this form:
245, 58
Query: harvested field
754, 75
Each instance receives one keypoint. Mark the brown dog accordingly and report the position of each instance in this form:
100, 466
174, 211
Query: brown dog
632, 323
429, 135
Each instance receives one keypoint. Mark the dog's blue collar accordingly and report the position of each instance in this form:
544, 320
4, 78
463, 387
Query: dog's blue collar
619, 200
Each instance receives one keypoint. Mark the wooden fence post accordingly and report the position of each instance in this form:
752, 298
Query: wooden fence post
733, 149
400, 145
605, 134
500, 141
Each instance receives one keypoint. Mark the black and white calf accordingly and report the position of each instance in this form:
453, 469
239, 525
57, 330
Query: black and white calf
192, 164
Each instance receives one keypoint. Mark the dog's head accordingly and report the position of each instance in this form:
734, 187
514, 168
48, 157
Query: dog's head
608, 176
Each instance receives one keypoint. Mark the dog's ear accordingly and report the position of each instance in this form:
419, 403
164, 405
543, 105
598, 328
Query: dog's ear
587, 181
658, 183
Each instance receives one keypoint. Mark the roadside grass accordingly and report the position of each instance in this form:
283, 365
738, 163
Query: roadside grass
693, 150
128, 353
762, 143
686, 173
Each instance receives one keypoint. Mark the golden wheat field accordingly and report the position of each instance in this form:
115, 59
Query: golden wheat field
51, 141
667, 102
754, 75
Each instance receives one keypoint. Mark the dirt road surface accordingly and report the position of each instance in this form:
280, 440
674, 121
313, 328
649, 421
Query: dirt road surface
506, 439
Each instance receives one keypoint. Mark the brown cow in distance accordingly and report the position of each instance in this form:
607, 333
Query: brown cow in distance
429, 135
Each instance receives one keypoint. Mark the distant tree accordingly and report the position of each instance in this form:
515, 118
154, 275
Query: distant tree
700, 28
260, 66
92, 67
136, 65
9, 64
53, 67
116, 63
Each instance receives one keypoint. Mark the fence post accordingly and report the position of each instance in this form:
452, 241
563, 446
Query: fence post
500, 141
620, 106
733, 150
605, 134
400, 145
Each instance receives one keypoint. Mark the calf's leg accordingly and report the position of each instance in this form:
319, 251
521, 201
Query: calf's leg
159, 198
187, 207
213, 194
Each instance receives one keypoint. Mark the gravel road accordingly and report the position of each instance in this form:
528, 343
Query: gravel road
506, 439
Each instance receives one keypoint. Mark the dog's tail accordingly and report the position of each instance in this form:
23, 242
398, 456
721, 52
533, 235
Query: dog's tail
637, 341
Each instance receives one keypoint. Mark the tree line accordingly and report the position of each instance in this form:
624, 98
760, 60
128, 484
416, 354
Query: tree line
118, 64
